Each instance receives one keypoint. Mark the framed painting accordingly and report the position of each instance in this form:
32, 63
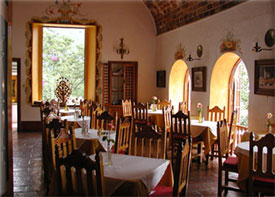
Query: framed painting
161, 78
264, 82
199, 79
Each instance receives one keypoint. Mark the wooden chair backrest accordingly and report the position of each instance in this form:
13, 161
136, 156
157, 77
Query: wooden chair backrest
167, 113
183, 107
181, 123
182, 167
63, 144
140, 113
123, 135
163, 103
215, 114
223, 142
265, 147
149, 143
105, 121
95, 111
126, 108
85, 107
74, 181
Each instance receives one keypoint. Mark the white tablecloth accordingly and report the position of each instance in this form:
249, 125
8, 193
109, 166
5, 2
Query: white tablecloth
93, 134
158, 112
197, 127
134, 168
87, 120
70, 111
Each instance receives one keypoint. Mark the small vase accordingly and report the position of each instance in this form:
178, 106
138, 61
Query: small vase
109, 155
154, 107
269, 128
200, 117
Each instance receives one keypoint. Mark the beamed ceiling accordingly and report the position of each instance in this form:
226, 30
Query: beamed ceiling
171, 14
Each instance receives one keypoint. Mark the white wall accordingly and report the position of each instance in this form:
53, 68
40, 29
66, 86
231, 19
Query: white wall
248, 22
128, 19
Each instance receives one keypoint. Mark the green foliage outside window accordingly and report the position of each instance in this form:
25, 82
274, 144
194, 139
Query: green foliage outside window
244, 95
63, 55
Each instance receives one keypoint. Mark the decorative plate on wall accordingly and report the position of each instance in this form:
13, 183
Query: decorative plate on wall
270, 37
199, 50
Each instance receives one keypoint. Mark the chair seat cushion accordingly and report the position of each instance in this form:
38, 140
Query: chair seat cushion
162, 191
263, 180
231, 162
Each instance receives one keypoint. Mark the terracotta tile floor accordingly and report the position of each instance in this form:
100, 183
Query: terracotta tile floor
28, 176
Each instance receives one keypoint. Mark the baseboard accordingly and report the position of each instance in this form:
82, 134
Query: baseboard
30, 126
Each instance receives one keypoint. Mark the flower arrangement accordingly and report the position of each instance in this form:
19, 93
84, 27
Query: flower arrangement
268, 116
199, 107
154, 99
230, 43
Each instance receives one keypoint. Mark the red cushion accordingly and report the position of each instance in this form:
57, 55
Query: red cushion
162, 191
231, 161
140, 122
263, 179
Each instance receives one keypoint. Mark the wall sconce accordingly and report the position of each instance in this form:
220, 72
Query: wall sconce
189, 58
199, 54
121, 49
257, 48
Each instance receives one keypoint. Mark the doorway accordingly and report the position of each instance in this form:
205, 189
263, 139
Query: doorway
16, 84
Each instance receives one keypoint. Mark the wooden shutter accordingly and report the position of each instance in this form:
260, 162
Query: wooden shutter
106, 84
130, 81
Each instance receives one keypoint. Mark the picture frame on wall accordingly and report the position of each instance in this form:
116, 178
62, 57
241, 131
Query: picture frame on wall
199, 79
264, 83
161, 78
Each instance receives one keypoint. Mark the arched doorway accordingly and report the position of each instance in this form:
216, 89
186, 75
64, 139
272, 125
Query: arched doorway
179, 84
229, 86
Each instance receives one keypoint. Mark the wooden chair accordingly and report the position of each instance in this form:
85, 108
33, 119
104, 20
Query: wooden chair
183, 107
85, 107
74, 181
181, 129
123, 136
140, 115
127, 108
95, 111
63, 144
55, 125
181, 172
261, 166
147, 142
214, 114
166, 113
163, 103
105, 121
230, 164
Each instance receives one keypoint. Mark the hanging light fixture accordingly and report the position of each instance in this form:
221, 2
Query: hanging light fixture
122, 50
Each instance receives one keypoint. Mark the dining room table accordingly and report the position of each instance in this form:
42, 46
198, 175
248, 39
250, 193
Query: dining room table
92, 140
156, 117
78, 121
135, 175
69, 111
242, 151
207, 130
